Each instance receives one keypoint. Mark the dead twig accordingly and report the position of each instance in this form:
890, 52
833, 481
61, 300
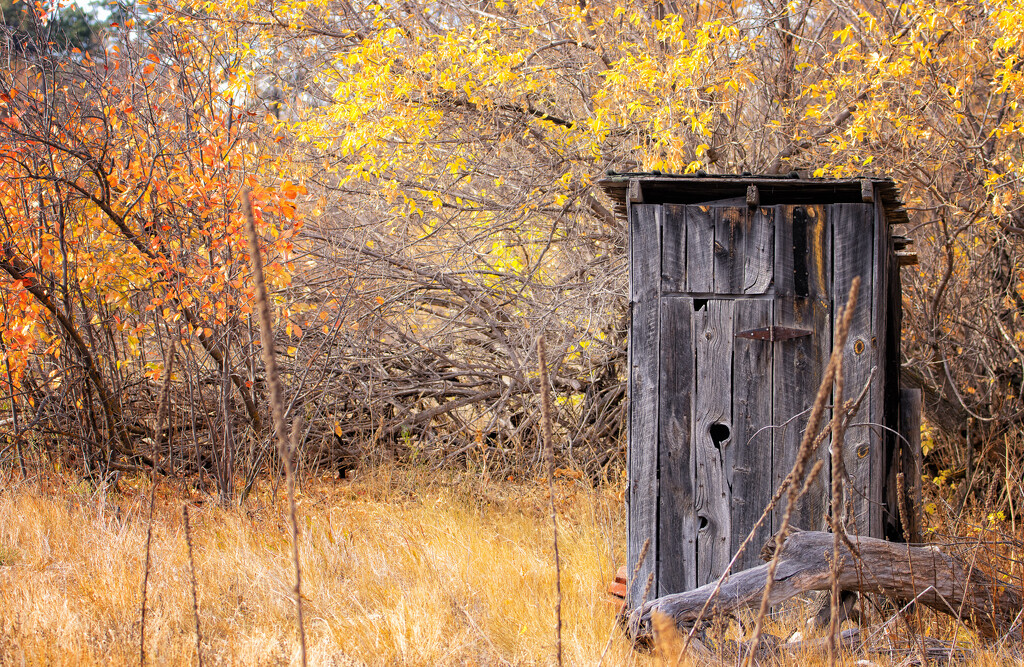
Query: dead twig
549, 453
838, 529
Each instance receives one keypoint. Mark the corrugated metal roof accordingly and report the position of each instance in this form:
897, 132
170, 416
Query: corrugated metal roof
659, 188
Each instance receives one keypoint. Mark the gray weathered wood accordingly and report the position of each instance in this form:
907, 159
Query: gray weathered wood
728, 249
935, 579
799, 363
783, 256
890, 412
712, 430
748, 458
645, 280
677, 521
758, 251
852, 225
700, 242
694, 494
673, 249
636, 193
785, 420
885, 511
912, 460
867, 191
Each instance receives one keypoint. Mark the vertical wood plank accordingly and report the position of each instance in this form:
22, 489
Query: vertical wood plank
728, 249
803, 279
712, 435
642, 495
894, 367
784, 419
879, 462
854, 251
912, 461
748, 458
784, 287
677, 531
885, 394
700, 242
758, 251
673, 249
892, 528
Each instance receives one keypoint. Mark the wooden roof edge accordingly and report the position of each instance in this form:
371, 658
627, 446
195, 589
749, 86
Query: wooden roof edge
693, 188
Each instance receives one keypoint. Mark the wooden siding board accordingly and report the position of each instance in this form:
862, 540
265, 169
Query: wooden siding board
799, 363
912, 462
875, 523
758, 251
782, 424
884, 510
673, 262
700, 242
728, 249
854, 252
677, 529
909, 451
749, 455
712, 430
642, 497
890, 366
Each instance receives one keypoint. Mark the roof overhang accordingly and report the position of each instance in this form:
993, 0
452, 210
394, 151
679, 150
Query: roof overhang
657, 188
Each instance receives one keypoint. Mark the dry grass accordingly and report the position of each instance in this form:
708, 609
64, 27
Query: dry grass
400, 571
400, 568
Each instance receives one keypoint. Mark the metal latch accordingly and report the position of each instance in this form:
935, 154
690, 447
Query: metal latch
774, 333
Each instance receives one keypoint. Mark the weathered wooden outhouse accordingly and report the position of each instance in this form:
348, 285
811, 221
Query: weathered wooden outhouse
735, 283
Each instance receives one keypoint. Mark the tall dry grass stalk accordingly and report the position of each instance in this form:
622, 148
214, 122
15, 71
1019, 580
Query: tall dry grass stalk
161, 413
667, 640
804, 453
549, 454
192, 584
838, 475
276, 406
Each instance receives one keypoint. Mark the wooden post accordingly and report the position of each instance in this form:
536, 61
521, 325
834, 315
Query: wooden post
911, 458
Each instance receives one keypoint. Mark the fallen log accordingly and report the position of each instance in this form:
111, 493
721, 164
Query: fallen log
939, 581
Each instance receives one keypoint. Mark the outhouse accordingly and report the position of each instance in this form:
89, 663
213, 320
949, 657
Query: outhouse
734, 286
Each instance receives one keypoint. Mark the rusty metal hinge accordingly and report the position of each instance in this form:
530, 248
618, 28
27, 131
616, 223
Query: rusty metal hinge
774, 333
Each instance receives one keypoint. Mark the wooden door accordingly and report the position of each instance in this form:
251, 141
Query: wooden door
744, 336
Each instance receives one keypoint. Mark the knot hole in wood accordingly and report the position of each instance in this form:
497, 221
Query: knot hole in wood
719, 434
